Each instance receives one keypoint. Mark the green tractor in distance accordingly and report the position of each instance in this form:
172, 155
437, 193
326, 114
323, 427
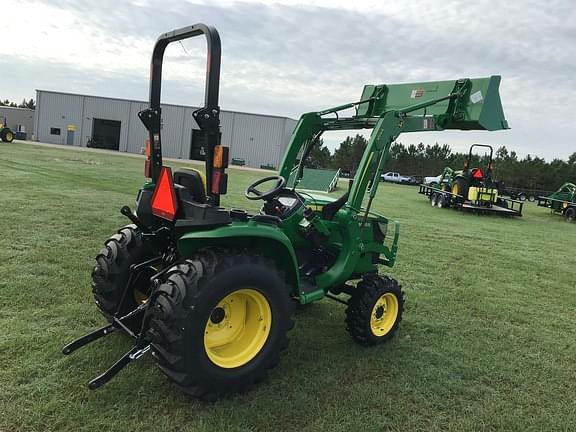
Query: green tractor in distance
209, 291
472, 189
563, 201
6, 134
473, 184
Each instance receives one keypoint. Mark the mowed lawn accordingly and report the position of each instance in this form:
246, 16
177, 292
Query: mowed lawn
487, 341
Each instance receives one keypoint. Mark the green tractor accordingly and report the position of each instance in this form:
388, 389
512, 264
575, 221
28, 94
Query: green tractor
563, 201
472, 189
209, 291
6, 134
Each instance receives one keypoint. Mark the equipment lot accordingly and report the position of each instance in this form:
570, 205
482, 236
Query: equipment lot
486, 343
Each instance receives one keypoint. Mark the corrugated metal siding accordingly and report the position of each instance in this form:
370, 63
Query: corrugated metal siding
260, 140
18, 117
172, 121
137, 133
59, 111
188, 124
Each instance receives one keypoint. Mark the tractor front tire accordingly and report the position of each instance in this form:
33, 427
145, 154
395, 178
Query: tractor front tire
375, 310
219, 322
112, 270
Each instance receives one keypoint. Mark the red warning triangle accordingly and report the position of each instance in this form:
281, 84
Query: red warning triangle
164, 202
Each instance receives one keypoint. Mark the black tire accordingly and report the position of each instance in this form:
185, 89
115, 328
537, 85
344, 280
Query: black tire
531, 198
433, 196
7, 135
570, 214
183, 311
112, 269
460, 187
441, 201
362, 308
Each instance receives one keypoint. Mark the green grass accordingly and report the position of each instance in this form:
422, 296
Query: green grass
487, 341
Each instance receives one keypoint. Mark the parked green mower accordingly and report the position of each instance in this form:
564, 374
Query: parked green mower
210, 291
472, 189
6, 134
563, 201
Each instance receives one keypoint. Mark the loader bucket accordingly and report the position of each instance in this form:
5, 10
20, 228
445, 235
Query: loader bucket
480, 108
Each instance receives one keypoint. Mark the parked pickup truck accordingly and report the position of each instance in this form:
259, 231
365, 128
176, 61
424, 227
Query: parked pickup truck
396, 178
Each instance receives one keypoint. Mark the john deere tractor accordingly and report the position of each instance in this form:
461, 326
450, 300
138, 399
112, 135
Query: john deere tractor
209, 291
563, 201
475, 184
6, 133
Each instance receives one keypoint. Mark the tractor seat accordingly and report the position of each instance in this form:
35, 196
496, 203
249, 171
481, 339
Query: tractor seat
194, 182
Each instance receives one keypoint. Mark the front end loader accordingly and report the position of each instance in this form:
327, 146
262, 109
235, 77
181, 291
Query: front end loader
209, 291
563, 201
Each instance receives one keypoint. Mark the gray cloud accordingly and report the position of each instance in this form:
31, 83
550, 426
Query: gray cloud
290, 59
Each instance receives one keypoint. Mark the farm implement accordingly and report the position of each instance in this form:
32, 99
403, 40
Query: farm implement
209, 291
471, 189
563, 201
6, 133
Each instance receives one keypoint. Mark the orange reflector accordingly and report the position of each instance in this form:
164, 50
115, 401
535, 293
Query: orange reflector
220, 157
478, 174
164, 202
147, 147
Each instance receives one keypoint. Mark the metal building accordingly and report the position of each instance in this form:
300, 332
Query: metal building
20, 120
63, 118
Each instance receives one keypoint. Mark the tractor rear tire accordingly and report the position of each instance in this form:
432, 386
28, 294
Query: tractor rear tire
460, 187
112, 270
375, 310
219, 322
570, 214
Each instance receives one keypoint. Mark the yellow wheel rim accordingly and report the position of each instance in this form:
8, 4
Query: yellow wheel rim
456, 189
238, 328
141, 297
9, 136
384, 314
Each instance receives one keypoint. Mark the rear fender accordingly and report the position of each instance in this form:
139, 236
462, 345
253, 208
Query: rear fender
266, 240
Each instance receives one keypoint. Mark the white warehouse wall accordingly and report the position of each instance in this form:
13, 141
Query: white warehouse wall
258, 139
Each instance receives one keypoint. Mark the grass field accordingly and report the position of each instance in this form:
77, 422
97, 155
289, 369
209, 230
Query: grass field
487, 341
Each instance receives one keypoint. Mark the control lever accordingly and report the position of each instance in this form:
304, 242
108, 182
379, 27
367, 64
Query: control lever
126, 211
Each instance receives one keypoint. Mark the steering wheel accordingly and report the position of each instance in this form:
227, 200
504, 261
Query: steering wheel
254, 194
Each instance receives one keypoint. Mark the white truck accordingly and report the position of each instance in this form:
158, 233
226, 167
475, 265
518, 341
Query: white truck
395, 178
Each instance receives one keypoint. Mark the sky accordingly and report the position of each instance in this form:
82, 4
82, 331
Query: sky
287, 57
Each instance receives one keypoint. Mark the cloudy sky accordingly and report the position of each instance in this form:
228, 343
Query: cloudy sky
285, 57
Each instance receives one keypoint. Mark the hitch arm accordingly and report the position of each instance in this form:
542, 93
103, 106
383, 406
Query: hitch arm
134, 354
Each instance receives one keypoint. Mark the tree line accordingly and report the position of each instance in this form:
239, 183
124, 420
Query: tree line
530, 173
30, 104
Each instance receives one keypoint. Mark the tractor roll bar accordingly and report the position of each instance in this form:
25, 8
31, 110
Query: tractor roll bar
207, 117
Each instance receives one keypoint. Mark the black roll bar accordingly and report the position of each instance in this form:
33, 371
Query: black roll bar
207, 117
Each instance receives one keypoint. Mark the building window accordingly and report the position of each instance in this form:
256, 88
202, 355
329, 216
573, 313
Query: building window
54, 131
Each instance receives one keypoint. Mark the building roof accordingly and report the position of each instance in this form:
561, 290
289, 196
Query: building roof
167, 104
15, 108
